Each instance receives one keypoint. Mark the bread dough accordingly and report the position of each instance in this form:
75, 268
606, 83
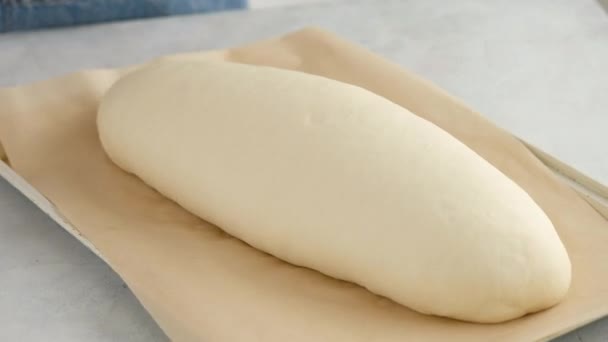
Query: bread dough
332, 177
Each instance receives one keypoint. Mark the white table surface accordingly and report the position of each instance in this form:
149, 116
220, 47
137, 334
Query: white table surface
538, 68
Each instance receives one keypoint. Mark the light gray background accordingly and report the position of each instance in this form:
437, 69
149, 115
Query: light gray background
538, 68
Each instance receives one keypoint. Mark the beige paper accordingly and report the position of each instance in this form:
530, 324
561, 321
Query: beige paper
203, 285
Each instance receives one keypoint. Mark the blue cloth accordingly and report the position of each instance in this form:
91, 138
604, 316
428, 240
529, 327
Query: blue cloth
35, 14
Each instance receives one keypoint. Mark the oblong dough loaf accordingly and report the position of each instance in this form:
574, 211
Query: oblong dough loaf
335, 178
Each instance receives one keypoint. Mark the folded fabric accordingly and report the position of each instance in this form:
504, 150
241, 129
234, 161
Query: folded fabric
18, 15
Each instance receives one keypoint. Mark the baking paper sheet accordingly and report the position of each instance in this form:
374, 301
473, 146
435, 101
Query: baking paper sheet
202, 285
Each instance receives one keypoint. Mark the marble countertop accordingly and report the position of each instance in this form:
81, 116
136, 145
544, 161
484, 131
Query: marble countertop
535, 68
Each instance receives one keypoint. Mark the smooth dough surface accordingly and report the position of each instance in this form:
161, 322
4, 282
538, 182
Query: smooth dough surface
332, 177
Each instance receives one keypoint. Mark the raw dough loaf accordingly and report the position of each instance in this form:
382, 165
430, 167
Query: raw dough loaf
332, 177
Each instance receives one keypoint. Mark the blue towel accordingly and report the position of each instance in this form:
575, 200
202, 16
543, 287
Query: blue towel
18, 15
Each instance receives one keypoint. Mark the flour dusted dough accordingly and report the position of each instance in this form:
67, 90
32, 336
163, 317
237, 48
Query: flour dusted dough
335, 178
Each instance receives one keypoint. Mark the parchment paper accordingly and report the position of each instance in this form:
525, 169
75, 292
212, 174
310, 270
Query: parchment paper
203, 285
